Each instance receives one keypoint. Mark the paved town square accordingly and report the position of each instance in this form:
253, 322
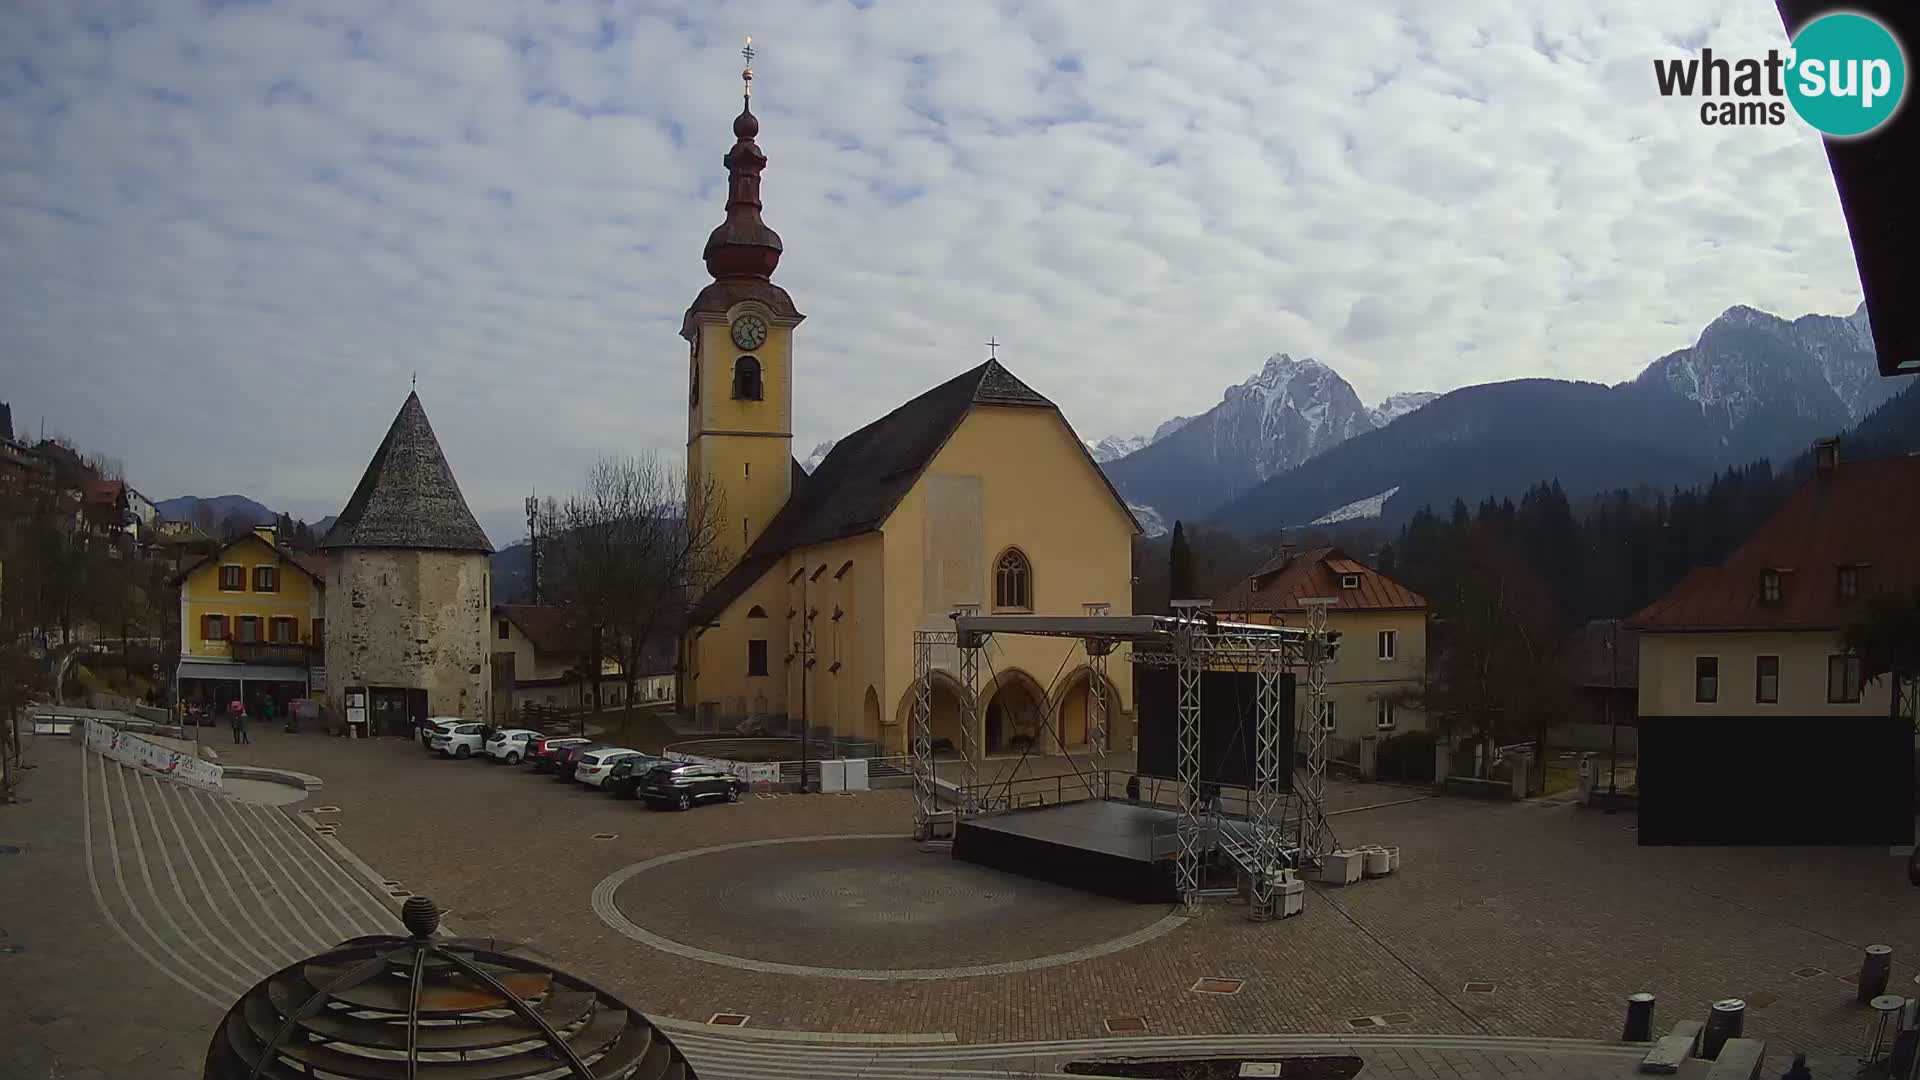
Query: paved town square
814, 917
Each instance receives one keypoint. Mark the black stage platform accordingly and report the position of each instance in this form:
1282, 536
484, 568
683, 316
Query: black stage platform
1100, 845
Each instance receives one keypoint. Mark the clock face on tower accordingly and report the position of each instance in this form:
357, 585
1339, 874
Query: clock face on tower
749, 331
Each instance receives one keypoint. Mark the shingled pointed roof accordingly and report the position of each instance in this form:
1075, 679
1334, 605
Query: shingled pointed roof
867, 473
408, 497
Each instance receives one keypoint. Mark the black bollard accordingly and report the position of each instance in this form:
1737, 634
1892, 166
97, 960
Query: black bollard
1874, 971
1639, 1018
1726, 1021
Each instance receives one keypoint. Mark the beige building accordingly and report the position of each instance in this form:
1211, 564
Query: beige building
976, 494
1759, 635
541, 655
407, 601
1383, 637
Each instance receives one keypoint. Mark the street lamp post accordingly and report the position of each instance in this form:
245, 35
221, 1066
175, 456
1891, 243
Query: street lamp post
803, 652
1613, 689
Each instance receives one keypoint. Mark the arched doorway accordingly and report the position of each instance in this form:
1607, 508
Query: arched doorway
1016, 716
870, 715
944, 723
1073, 718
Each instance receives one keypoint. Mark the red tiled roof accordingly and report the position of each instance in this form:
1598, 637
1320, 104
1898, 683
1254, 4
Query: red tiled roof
1864, 514
1291, 577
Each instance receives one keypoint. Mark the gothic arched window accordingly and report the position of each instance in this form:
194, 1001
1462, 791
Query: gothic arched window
746, 379
1013, 581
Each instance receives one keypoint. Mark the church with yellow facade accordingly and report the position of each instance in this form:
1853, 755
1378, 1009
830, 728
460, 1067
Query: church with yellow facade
976, 495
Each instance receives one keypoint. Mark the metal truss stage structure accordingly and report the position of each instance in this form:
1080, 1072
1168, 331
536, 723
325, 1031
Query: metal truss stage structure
1123, 846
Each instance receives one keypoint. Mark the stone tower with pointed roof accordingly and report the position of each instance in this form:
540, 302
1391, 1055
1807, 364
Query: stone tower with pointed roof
976, 493
409, 596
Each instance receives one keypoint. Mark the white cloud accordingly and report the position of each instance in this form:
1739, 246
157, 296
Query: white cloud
233, 238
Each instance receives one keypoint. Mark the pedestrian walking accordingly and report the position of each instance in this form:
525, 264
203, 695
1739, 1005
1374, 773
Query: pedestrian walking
237, 712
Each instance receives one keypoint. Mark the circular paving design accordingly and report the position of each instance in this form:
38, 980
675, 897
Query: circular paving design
863, 907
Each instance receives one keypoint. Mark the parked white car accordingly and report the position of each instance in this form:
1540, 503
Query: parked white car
510, 744
459, 741
593, 768
437, 725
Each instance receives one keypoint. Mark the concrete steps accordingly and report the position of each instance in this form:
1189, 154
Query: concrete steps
217, 892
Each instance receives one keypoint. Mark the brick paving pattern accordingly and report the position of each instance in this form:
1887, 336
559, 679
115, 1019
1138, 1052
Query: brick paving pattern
1554, 905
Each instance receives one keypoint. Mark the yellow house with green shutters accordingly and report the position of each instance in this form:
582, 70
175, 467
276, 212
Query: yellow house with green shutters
252, 625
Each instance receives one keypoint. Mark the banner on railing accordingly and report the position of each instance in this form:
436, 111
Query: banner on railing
131, 749
753, 772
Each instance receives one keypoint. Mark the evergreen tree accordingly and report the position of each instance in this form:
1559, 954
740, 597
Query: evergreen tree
1180, 565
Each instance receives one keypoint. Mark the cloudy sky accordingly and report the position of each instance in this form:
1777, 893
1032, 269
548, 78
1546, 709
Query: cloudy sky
233, 232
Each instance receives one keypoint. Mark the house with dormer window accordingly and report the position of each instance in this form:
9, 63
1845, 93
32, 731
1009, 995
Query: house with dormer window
1759, 635
1382, 628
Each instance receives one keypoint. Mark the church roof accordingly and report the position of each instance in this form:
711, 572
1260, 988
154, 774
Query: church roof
408, 498
867, 473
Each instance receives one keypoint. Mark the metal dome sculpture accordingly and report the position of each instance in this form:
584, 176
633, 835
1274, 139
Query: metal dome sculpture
417, 1008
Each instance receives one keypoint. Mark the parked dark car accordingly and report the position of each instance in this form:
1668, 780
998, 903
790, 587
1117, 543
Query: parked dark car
624, 780
541, 752
567, 757
682, 785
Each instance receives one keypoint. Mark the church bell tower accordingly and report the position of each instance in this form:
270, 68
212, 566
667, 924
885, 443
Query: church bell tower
739, 334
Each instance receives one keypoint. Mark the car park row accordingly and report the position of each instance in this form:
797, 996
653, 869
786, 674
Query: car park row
618, 770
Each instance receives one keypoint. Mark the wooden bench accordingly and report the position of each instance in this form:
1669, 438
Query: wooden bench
1739, 1060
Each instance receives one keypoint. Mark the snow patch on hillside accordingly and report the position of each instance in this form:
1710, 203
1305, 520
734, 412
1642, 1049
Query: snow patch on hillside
1151, 523
1358, 510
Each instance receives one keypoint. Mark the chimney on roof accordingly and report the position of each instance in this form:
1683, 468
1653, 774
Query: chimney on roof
265, 532
1826, 456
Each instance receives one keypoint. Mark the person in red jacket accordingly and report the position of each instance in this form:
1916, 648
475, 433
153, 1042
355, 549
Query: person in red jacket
237, 712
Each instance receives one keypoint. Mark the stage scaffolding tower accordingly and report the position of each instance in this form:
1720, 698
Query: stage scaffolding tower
1287, 826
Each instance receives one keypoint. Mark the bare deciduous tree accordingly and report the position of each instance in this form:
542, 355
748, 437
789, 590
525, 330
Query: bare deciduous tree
630, 552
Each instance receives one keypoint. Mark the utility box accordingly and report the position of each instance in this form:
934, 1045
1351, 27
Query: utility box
1341, 868
833, 776
856, 779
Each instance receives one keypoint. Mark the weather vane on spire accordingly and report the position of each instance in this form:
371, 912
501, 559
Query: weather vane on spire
746, 75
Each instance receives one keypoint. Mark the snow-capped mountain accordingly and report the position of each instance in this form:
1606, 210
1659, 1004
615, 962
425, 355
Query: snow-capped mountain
1291, 410
1399, 405
1114, 447
1752, 386
812, 461
1758, 380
